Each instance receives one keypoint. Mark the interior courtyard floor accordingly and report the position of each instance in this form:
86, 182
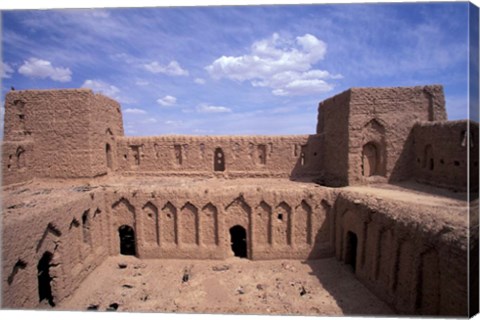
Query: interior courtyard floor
232, 286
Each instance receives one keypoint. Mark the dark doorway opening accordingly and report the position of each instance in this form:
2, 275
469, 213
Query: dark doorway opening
238, 239
44, 279
127, 240
351, 250
108, 150
219, 160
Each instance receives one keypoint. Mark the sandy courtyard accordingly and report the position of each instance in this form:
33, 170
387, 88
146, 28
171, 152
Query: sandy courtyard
236, 286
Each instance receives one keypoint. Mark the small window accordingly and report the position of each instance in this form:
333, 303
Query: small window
178, 153
463, 138
219, 160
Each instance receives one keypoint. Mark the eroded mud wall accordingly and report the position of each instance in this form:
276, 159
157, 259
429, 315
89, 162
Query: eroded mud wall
17, 161
407, 259
73, 235
332, 127
384, 118
441, 153
195, 224
58, 133
366, 132
106, 126
254, 156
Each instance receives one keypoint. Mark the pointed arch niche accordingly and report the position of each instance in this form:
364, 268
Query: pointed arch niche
373, 157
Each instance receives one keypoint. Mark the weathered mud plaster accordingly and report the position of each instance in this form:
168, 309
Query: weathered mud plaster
76, 191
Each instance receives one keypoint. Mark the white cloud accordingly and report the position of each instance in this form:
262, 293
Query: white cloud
102, 87
206, 108
167, 101
37, 68
283, 65
149, 120
172, 69
199, 81
5, 71
173, 123
134, 111
107, 89
142, 83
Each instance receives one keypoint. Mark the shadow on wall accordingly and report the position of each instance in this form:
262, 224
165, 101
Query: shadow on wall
403, 168
338, 278
308, 166
403, 173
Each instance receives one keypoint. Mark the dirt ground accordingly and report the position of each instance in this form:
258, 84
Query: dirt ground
233, 286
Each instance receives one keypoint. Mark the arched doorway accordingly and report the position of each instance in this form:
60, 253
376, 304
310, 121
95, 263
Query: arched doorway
108, 151
127, 240
219, 160
238, 240
369, 160
351, 250
44, 279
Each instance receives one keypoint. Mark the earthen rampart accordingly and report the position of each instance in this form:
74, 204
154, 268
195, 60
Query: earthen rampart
221, 156
441, 151
57, 134
397, 250
76, 191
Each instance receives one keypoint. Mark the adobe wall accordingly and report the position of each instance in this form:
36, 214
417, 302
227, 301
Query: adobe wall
402, 253
380, 119
238, 156
385, 117
332, 127
194, 224
441, 153
73, 232
106, 127
79, 227
407, 258
65, 130
17, 161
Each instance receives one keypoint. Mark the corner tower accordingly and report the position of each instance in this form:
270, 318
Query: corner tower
67, 133
367, 135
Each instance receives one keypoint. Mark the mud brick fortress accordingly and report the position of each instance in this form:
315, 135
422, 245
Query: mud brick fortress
381, 186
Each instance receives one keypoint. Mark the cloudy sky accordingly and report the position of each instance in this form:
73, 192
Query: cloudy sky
236, 70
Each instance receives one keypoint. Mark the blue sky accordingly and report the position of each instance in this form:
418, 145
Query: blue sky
237, 70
